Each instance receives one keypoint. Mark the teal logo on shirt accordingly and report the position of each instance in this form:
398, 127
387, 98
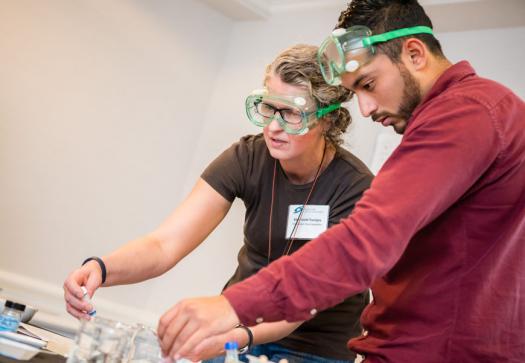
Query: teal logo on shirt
298, 209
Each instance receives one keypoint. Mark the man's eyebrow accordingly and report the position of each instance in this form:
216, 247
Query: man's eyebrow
357, 81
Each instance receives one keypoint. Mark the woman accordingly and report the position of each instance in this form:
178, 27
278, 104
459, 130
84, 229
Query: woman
295, 181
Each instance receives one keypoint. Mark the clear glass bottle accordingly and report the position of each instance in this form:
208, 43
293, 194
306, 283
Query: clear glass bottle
11, 316
232, 353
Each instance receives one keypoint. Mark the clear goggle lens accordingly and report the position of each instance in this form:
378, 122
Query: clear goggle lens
261, 110
330, 60
343, 51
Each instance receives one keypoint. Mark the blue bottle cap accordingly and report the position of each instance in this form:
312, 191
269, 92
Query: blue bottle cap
231, 345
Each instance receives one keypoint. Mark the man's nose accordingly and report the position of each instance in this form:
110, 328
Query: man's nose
367, 105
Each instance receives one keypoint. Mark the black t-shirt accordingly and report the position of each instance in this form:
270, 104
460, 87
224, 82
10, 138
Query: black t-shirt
245, 171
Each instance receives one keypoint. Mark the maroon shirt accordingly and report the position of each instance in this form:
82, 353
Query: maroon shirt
440, 237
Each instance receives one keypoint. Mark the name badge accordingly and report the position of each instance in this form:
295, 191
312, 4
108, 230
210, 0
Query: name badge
314, 221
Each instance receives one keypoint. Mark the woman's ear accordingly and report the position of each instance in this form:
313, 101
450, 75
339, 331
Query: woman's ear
324, 123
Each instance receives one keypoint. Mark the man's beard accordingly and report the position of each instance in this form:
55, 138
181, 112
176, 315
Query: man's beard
411, 96
410, 99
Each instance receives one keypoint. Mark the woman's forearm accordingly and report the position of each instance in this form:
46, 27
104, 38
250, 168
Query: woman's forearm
136, 261
176, 237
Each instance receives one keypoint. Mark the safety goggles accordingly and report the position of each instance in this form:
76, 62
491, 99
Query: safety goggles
348, 49
295, 114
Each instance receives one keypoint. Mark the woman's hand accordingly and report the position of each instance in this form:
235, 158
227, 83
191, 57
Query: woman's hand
90, 276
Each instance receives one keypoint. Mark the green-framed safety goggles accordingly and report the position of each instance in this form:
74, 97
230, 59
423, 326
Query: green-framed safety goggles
295, 114
345, 50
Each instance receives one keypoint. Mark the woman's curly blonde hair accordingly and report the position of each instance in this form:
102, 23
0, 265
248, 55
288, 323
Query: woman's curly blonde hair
298, 66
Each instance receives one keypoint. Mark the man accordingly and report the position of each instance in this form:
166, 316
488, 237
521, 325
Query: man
439, 236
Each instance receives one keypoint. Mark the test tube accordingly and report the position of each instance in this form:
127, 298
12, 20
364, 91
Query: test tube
85, 297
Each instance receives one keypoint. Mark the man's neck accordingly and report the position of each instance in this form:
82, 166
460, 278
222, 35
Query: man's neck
437, 68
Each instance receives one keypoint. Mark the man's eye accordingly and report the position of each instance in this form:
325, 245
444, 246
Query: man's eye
368, 86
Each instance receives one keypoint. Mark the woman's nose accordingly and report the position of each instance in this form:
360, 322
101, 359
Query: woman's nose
274, 125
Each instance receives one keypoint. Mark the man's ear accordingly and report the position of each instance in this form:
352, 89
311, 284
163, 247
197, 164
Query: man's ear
415, 54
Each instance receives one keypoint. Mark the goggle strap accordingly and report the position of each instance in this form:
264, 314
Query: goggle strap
385, 37
326, 110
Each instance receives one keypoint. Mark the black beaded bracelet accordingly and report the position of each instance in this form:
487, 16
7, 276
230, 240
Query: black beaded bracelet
250, 338
101, 264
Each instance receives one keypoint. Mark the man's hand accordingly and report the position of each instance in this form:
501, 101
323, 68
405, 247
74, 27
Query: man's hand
191, 322
213, 346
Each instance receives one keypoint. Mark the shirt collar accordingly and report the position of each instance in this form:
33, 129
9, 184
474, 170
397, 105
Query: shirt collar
453, 75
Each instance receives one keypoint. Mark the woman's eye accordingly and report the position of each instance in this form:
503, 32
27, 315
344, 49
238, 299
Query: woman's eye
291, 116
264, 107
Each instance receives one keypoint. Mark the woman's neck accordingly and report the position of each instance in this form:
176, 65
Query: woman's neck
303, 170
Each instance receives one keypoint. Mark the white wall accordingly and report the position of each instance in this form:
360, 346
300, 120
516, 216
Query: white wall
109, 110
101, 103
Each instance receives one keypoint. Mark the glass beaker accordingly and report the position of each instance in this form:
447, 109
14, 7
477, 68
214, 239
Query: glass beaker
145, 346
101, 340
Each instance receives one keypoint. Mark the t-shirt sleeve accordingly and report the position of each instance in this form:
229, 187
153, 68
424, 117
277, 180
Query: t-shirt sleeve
227, 173
439, 159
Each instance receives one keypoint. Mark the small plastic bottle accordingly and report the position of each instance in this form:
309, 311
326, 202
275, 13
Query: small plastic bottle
232, 353
85, 297
11, 316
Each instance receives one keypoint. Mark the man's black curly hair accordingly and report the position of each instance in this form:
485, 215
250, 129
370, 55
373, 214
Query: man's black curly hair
386, 15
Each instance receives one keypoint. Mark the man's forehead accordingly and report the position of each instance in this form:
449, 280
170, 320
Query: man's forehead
374, 67
350, 80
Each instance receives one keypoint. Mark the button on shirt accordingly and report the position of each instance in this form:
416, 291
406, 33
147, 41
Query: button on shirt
440, 237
